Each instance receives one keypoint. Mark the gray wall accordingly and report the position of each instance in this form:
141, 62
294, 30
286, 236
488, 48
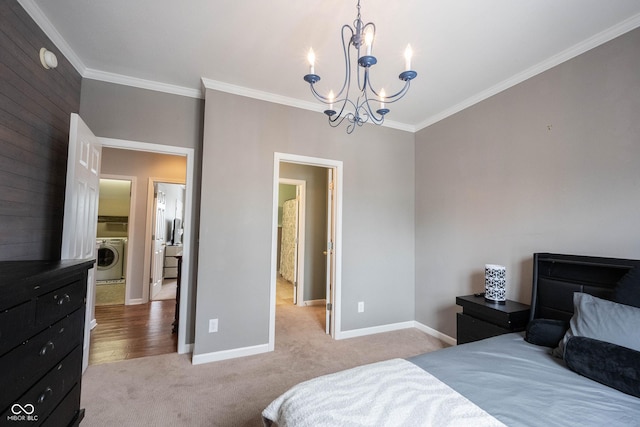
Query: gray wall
552, 164
240, 138
123, 112
315, 270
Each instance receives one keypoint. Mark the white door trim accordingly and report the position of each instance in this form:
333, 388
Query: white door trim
130, 228
302, 187
337, 165
185, 285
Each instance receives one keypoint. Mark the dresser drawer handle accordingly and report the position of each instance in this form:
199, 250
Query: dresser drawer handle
48, 345
63, 299
43, 396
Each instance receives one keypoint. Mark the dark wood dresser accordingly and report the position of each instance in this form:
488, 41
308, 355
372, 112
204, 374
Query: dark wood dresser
42, 310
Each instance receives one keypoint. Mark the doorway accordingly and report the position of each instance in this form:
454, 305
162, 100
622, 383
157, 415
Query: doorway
291, 238
166, 204
117, 196
331, 250
182, 310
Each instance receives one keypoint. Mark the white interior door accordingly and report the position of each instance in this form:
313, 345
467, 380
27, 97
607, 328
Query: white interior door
158, 242
330, 252
81, 210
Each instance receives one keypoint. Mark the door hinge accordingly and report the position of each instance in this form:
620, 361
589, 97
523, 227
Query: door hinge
331, 185
329, 306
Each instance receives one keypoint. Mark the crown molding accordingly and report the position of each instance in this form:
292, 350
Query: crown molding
47, 27
578, 49
122, 79
284, 100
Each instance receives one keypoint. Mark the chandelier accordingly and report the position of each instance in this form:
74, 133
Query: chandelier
356, 40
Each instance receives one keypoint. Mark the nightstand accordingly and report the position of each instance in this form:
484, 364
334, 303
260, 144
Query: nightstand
482, 319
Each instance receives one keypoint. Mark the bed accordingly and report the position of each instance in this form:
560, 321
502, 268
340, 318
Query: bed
578, 364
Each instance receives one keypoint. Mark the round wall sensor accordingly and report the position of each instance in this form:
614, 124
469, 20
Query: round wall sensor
48, 59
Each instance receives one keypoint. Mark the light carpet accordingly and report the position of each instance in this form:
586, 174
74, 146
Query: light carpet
168, 390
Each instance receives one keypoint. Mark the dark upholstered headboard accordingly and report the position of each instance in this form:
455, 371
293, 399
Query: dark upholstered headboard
556, 277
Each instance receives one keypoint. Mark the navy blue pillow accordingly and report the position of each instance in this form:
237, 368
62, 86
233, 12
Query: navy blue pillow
546, 332
609, 364
627, 290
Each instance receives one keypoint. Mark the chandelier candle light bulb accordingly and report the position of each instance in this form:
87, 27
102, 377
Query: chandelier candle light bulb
408, 53
311, 57
382, 95
368, 40
331, 98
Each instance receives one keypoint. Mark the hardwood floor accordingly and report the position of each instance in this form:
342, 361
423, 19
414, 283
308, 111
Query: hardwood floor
132, 331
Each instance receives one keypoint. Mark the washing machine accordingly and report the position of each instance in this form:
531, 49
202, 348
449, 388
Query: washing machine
110, 258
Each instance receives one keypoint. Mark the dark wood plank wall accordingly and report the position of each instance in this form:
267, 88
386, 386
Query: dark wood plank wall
35, 104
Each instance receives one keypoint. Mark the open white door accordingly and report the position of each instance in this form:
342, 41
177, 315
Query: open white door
158, 242
81, 211
329, 327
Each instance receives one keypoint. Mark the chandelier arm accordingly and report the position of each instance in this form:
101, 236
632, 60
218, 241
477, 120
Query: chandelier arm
397, 96
370, 112
388, 99
340, 116
347, 60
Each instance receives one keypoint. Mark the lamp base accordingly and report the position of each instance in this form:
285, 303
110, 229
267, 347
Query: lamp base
494, 301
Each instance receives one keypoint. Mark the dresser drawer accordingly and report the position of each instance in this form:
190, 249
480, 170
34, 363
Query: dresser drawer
57, 304
16, 325
47, 393
35, 357
66, 413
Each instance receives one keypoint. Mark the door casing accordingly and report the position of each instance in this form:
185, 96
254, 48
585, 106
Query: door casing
185, 285
337, 166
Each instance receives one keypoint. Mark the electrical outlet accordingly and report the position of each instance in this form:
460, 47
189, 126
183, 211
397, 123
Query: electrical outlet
213, 325
361, 307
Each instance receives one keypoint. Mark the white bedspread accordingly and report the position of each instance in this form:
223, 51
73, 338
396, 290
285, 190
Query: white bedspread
391, 393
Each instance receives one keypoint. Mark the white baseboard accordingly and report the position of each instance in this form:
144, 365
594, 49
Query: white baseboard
135, 301
264, 348
442, 337
374, 330
216, 356
93, 324
395, 327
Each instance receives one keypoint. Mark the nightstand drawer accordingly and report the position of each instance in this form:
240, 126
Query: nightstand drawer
473, 329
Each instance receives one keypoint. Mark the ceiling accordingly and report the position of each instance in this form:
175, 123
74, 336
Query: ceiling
464, 50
